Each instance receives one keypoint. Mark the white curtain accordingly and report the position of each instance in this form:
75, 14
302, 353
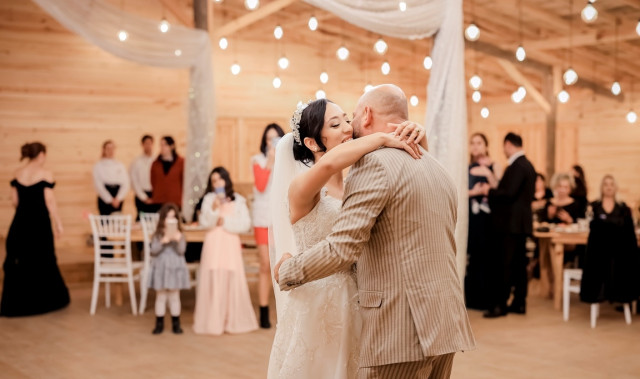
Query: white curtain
181, 47
446, 117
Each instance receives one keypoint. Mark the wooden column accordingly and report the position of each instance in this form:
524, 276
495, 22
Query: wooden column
551, 85
200, 14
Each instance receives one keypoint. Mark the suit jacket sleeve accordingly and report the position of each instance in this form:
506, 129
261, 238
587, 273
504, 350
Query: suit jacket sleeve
366, 194
509, 186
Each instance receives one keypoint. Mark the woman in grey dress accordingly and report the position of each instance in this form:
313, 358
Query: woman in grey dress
169, 272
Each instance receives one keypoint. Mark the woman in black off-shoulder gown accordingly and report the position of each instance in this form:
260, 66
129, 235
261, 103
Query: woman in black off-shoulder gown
32, 280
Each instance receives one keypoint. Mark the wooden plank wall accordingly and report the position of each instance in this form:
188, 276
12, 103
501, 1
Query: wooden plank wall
57, 88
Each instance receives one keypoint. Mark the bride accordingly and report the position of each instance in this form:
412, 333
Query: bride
318, 328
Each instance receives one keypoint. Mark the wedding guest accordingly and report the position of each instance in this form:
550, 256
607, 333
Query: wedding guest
141, 176
223, 303
111, 180
262, 164
167, 173
482, 169
562, 208
512, 222
169, 273
611, 262
32, 280
579, 191
542, 194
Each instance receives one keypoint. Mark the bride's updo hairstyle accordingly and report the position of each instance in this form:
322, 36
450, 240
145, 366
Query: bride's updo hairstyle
311, 124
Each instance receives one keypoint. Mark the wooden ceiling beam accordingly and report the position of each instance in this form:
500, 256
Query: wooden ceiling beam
252, 17
589, 39
177, 12
520, 79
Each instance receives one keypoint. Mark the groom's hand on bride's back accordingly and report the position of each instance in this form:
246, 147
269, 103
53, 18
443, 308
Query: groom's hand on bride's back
276, 270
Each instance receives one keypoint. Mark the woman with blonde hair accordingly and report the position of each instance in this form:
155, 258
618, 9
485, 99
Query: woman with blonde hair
562, 208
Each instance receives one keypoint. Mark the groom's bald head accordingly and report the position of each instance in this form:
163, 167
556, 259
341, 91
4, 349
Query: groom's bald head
377, 107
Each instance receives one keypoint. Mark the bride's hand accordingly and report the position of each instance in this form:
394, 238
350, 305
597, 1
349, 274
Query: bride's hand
409, 132
276, 270
390, 140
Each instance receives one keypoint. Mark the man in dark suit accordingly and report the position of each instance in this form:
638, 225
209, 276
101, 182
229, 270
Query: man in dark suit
510, 205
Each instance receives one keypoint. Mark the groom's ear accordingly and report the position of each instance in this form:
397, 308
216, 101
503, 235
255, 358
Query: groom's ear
367, 118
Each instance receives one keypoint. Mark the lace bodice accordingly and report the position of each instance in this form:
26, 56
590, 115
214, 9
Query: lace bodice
317, 224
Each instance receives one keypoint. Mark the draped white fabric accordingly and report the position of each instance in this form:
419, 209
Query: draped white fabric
446, 117
181, 47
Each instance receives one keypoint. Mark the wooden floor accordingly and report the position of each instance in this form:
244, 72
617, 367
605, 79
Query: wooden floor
114, 344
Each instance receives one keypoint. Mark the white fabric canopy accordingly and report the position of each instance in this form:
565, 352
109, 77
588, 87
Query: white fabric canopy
99, 23
446, 117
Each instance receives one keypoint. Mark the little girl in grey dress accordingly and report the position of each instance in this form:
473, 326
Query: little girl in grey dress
169, 272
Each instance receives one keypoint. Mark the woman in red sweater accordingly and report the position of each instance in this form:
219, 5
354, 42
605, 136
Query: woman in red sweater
167, 174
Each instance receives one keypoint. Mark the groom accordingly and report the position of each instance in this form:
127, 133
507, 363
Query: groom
397, 222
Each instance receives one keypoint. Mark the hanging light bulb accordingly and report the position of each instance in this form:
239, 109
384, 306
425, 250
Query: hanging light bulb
277, 82
235, 68
522, 91
283, 62
313, 23
570, 76
414, 100
380, 46
324, 77
223, 43
342, 53
638, 28
476, 96
484, 112
521, 55
589, 13
277, 32
402, 5
385, 68
632, 117
178, 52
251, 4
472, 32
123, 35
475, 82
368, 87
615, 88
563, 96
516, 97
164, 25
320, 94
427, 63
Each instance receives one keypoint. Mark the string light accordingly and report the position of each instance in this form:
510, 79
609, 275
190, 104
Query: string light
278, 32
283, 62
402, 5
484, 112
615, 88
251, 4
638, 28
235, 68
178, 52
589, 12
521, 55
427, 63
380, 46
632, 117
320, 94
385, 68
570, 76
277, 82
223, 43
342, 53
476, 96
475, 82
164, 26
472, 32
313, 23
563, 96
368, 87
414, 100
123, 35
324, 77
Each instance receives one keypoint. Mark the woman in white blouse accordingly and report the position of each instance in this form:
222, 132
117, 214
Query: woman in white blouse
111, 180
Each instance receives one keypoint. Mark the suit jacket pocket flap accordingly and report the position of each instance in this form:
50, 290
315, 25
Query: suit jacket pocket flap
370, 299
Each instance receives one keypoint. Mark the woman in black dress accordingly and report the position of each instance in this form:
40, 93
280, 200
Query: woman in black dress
562, 208
32, 280
612, 262
481, 170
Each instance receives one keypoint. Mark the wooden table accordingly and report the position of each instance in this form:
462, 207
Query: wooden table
552, 245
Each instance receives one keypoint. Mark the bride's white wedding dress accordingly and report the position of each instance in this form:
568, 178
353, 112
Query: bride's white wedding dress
318, 333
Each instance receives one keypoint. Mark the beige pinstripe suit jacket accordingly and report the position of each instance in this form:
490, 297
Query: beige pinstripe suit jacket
397, 222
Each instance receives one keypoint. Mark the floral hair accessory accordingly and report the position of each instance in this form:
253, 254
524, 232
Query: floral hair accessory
295, 121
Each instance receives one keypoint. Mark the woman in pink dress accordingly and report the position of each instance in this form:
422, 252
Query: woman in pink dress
223, 303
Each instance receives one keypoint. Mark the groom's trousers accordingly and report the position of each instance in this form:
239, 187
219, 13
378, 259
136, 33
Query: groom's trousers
438, 367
